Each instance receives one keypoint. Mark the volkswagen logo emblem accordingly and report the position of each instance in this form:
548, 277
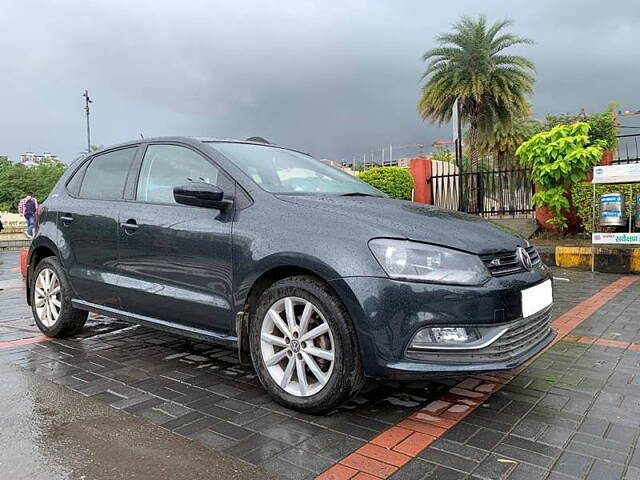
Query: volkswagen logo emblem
524, 257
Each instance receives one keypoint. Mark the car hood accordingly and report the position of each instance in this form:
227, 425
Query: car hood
414, 221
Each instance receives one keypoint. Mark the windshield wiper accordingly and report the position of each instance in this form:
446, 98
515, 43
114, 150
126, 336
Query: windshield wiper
359, 194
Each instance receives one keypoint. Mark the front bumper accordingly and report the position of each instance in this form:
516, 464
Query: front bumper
415, 370
387, 314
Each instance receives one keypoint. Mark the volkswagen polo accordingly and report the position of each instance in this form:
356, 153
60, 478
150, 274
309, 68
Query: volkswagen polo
315, 277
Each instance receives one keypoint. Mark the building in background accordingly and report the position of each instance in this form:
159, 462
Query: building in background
31, 159
339, 166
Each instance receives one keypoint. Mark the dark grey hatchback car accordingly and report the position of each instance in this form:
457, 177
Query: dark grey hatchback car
313, 275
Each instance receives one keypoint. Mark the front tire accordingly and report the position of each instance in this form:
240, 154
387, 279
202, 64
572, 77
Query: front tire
51, 301
304, 347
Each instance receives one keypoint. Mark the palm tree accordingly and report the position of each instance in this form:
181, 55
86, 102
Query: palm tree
501, 140
469, 65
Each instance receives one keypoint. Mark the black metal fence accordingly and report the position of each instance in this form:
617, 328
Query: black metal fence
628, 150
500, 192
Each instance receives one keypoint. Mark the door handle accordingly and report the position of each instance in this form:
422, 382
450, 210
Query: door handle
66, 219
129, 226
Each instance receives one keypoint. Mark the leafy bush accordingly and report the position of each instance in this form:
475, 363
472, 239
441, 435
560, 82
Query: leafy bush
18, 180
394, 181
560, 158
582, 197
602, 125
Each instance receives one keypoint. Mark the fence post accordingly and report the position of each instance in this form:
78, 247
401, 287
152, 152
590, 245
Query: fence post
421, 171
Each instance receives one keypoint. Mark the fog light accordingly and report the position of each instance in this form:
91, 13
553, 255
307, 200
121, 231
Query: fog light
444, 336
448, 335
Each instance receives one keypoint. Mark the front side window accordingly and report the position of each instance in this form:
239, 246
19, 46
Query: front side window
168, 166
106, 175
277, 170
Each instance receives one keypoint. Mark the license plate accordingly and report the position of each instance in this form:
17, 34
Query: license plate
536, 298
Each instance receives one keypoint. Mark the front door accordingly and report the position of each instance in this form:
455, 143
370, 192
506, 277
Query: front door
89, 226
175, 260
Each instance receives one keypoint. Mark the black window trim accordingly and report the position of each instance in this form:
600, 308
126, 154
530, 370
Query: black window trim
87, 161
137, 170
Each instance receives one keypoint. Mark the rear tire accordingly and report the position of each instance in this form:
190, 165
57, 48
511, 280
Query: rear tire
301, 330
51, 301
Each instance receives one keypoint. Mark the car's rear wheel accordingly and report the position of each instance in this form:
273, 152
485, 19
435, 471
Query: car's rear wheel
51, 301
304, 347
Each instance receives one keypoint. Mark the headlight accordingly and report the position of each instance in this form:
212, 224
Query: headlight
406, 260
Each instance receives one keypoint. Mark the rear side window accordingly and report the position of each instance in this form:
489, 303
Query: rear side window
168, 166
106, 175
74, 183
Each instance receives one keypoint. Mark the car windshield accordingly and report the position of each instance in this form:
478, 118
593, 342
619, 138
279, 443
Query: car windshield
277, 170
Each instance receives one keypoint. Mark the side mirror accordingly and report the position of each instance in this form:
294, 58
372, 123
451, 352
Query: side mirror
201, 194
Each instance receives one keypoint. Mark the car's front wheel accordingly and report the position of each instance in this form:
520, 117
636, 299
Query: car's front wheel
304, 347
51, 301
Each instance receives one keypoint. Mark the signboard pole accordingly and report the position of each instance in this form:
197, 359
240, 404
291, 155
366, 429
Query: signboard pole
593, 228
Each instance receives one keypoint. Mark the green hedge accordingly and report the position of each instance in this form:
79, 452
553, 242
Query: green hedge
394, 181
582, 197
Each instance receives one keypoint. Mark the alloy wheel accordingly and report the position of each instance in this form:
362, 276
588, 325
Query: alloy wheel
48, 297
297, 346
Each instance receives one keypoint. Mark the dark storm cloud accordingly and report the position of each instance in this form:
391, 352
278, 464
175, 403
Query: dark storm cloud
333, 78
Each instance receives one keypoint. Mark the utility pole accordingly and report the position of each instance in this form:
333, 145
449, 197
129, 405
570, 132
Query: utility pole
87, 101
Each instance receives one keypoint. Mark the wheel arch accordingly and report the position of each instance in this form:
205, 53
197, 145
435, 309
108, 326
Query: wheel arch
268, 277
36, 254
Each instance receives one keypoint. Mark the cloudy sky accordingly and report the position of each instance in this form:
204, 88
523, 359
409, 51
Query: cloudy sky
332, 77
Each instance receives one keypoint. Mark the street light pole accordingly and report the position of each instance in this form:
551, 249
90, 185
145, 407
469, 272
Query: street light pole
87, 101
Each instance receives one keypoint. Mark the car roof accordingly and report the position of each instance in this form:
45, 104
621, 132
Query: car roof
199, 139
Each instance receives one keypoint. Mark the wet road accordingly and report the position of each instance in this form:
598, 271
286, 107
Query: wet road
50, 432
121, 401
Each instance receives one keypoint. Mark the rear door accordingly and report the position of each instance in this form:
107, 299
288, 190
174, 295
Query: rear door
175, 260
88, 221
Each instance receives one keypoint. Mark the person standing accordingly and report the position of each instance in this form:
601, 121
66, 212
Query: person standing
28, 207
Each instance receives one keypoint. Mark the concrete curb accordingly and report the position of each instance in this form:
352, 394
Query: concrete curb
13, 242
13, 238
608, 259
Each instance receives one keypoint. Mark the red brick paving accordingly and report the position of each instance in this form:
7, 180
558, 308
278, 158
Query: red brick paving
24, 341
365, 476
435, 418
339, 472
391, 437
414, 444
384, 454
603, 342
369, 465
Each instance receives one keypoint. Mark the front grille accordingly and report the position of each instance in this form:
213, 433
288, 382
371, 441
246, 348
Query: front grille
522, 335
506, 263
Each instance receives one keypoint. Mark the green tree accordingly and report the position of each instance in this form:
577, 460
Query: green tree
603, 125
501, 140
469, 65
18, 180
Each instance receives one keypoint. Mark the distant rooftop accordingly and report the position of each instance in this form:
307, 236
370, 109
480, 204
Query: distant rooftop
30, 158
